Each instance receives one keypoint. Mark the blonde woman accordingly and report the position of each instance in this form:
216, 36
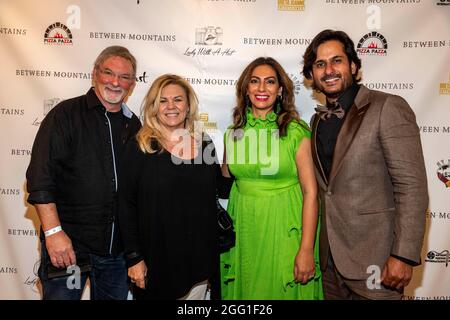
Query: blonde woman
167, 197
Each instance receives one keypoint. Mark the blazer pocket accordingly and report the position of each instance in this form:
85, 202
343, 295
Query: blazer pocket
375, 211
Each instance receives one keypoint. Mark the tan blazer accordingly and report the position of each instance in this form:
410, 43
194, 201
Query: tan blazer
374, 203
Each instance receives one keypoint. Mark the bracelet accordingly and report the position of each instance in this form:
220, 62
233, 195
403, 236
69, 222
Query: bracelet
53, 231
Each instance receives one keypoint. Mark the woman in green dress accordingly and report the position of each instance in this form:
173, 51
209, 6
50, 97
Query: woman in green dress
273, 201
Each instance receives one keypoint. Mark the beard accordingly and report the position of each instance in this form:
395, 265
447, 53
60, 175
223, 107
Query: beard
112, 95
345, 82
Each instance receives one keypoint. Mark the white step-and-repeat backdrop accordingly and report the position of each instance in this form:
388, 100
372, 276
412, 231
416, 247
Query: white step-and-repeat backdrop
47, 49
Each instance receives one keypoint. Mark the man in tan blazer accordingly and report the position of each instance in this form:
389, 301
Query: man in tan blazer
371, 175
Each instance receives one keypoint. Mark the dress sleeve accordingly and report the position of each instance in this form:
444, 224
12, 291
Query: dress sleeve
296, 132
128, 195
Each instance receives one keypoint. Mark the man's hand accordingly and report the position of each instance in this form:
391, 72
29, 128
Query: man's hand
59, 245
396, 274
60, 250
137, 274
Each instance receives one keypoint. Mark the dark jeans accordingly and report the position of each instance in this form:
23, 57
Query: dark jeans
108, 279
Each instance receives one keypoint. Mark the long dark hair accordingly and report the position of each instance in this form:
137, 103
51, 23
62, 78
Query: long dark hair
287, 111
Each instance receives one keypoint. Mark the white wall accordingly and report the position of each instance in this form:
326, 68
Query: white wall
163, 35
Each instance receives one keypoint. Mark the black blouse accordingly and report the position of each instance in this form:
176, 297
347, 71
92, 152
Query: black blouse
168, 219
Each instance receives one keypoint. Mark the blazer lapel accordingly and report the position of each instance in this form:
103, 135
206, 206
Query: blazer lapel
315, 155
349, 129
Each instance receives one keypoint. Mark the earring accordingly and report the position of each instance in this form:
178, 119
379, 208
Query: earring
278, 103
247, 102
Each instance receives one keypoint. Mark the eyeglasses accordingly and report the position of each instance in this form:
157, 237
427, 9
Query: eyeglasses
109, 76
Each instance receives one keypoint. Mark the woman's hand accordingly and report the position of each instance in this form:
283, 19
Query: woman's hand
304, 267
137, 274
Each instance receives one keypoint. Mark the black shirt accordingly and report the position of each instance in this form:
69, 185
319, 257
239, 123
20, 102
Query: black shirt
116, 119
328, 130
72, 165
168, 218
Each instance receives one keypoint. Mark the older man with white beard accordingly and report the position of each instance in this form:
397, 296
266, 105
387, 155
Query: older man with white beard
72, 181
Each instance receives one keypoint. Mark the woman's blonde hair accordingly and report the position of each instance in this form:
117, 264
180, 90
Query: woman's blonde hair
151, 129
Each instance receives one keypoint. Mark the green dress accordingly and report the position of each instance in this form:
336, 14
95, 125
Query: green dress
266, 205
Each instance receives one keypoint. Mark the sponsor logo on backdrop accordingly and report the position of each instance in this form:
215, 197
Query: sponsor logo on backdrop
33, 73
297, 83
434, 129
438, 257
291, 5
58, 34
444, 88
240, 1
20, 152
23, 232
372, 44
36, 122
8, 270
443, 172
390, 85
132, 36
49, 104
368, 2
405, 297
54, 74
13, 31
33, 281
210, 36
207, 125
72, 75
254, 41
426, 44
9, 191
443, 3
438, 215
12, 111
211, 81
208, 42
142, 77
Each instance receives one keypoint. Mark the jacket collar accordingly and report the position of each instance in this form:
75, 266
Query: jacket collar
349, 129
